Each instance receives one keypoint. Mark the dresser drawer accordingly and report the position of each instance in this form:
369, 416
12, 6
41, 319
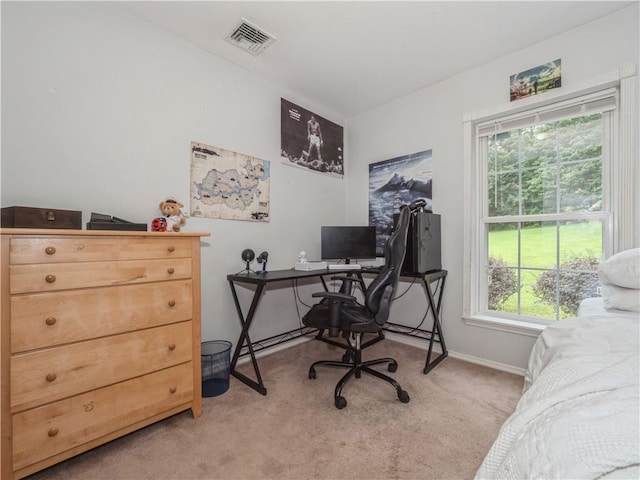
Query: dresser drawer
46, 431
43, 376
95, 249
48, 319
62, 276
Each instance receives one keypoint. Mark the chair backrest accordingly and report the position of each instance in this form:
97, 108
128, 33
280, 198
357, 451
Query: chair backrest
380, 291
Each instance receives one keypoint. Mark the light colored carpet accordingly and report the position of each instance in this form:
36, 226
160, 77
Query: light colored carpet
295, 432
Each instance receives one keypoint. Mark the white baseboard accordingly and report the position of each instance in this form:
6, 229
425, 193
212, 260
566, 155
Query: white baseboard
421, 343
276, 348
489, 363
412, 341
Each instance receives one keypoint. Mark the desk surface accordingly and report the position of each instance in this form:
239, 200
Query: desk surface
276, 275
291, 274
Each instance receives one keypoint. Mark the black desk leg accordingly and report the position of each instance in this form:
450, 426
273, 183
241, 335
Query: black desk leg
244, 337
437, 327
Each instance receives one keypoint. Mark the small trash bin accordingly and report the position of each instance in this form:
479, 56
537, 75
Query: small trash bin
216, 366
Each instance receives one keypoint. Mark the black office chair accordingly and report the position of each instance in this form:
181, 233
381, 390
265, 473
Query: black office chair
340, 312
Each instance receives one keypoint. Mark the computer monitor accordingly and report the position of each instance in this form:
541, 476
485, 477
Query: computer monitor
347, 242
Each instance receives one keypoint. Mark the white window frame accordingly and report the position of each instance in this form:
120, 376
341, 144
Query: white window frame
623, 169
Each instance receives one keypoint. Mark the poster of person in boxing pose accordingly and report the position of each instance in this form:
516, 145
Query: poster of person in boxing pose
310, 141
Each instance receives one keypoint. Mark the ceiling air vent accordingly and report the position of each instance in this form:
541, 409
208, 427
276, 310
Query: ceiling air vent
250, 37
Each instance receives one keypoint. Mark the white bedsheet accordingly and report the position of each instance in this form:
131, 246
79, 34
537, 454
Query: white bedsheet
579, 416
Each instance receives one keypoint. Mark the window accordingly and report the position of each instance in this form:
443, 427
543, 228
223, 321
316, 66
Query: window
545, 203
545, 214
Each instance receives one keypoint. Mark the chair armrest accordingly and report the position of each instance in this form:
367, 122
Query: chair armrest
335, 296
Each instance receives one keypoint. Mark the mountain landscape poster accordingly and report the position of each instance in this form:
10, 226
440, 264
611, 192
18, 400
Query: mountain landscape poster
536, 80
396, 182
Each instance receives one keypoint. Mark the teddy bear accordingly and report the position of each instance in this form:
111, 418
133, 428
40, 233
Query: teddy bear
172, 214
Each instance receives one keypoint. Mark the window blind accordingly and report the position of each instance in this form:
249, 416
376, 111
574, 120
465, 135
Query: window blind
598, 102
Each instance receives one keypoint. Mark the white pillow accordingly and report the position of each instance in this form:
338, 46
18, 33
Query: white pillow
621, 269
621, 298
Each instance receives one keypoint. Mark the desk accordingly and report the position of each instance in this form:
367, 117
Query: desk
260, 280
434, 297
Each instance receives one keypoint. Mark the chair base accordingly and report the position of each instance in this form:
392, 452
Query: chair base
356, 367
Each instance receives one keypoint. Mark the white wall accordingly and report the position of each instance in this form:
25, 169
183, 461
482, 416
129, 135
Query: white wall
98, 109
432, 119
98, 112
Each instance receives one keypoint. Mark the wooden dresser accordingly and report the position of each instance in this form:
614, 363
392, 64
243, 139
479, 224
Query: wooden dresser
100, 337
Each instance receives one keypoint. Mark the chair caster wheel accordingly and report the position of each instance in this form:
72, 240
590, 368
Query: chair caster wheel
392, 367
341, 402
312, 374
403, 396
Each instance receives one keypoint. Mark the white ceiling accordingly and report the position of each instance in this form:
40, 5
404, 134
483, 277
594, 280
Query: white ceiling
349, 57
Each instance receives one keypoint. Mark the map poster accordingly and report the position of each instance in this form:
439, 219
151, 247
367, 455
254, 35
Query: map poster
228, 185
309, 141
396, 182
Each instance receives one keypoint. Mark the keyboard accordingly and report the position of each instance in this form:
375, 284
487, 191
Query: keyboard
345, 266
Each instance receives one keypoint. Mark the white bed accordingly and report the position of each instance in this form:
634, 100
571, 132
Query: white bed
579, 415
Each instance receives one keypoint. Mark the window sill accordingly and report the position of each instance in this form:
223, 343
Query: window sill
519, 327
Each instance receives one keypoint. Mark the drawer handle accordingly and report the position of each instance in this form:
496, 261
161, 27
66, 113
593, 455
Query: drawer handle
50, 250
51, 216
171, 270
53, 431
50, 278
50, 321
172, 303
173, 389
172, 346
51, 377
172, 249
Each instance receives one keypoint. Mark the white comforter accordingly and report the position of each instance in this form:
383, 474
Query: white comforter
579, 416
